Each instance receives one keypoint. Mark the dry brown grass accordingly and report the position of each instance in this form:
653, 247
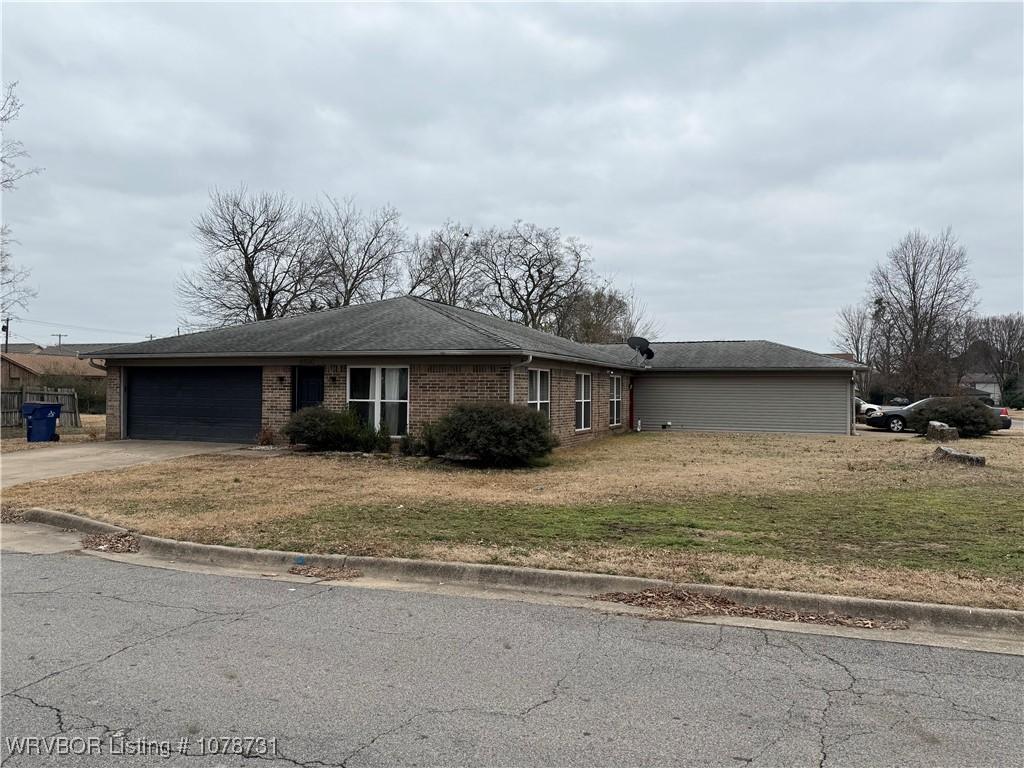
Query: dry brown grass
892, 583
93, 428
189, 496
255, 499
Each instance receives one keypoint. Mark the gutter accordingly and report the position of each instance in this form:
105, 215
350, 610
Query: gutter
92, 362
285, 355
512, 376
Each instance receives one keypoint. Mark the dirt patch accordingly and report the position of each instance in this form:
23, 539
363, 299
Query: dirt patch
327, 573
679, 604
111, 542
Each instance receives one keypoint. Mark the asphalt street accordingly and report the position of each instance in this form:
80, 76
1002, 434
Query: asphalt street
336, 675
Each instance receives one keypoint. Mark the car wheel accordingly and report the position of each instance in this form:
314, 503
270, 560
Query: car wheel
896, 424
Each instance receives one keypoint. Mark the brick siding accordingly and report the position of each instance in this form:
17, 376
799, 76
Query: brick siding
434, 389
277, 397
113, 429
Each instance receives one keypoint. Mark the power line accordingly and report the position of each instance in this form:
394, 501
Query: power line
79, 327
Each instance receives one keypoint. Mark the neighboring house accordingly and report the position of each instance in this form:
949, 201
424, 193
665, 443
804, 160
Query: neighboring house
22, 349
73, 350
404, 362
982, 383
33, 369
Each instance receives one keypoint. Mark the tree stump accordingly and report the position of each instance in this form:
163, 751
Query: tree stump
942, 453
941, 433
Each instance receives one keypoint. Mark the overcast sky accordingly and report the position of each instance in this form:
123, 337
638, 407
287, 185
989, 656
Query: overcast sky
742, 166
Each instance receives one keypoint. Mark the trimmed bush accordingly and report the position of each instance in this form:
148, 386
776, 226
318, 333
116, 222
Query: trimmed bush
970, 416
492, 434
325, 430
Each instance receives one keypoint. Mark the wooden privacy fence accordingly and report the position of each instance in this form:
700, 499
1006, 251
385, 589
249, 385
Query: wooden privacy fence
11, 400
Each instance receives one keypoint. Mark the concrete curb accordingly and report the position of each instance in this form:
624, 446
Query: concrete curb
949, 618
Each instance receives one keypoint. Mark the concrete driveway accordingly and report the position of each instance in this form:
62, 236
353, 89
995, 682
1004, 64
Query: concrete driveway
61, 460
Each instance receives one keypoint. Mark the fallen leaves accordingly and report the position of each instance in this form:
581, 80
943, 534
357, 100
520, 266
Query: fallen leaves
670, 603
111, 542
325, 573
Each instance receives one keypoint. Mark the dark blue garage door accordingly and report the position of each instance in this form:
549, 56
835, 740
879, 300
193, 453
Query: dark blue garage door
201, 403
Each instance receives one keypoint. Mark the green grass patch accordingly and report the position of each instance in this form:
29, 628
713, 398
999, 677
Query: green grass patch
970, 529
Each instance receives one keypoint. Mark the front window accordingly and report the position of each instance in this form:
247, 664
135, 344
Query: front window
380, 397
539, 393
582, 401
615, 401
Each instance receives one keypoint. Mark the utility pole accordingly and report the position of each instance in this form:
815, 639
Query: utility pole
7, 332
59, 337
151, 337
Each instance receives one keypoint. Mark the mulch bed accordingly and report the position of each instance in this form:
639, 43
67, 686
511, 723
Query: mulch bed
111, 542
669, 603
325, 572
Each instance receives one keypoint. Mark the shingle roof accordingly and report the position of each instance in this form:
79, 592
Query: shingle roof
59, 365
730, 355
403, 326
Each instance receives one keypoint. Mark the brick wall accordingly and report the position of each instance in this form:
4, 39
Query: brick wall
335, 387
434, 389
563, 400
277, 397
113, 431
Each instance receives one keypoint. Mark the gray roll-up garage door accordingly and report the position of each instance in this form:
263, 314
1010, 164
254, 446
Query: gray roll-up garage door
744, 402
201, 403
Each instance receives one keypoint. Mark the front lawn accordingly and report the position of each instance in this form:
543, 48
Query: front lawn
867, 515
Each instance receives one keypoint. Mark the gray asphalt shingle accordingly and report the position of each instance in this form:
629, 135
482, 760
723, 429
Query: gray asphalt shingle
729, 355
405, 325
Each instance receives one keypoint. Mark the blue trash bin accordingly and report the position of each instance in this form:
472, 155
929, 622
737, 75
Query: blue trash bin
41, 421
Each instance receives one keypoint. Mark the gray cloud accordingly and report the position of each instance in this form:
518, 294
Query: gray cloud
743, 166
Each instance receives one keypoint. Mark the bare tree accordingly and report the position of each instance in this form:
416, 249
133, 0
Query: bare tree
11, 151
445, 266
15, 291
1001, 347
261, 259
531, 272
853, 333
923, 292
601, 313
362, 253
638, 321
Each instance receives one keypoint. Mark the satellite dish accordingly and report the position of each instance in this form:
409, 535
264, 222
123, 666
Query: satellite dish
642, 346
639, 343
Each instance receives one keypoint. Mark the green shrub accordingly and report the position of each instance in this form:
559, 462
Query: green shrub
492, 434
968, 414
1013, 399
325, 430
430, 438
375, 441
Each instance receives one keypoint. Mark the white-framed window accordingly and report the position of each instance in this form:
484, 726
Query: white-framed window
615, 401
538, 394
379, 395
582, 401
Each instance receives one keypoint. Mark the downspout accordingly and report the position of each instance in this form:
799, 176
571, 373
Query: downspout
512, 376
92, 362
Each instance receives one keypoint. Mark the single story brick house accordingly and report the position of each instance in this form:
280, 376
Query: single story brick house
404, 362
